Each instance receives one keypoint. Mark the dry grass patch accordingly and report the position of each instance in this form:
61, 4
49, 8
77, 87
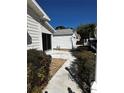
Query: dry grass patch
56, 64
62, 49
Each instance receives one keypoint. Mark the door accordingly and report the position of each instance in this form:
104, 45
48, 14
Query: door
46, 39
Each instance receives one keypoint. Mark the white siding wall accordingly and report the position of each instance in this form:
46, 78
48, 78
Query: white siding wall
35, 30
63, 42
75, 38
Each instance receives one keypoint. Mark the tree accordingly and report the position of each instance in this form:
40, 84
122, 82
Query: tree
86, 31
60, 27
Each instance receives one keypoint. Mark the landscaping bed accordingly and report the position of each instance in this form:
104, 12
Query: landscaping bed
84, 67
62, 49
55, 65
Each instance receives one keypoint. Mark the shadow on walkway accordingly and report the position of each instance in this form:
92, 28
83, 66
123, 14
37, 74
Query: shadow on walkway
69, 90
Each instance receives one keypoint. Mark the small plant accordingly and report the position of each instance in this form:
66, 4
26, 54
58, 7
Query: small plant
37, 70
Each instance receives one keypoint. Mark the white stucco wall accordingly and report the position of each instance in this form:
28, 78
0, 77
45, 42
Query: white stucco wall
35, 30
62, 42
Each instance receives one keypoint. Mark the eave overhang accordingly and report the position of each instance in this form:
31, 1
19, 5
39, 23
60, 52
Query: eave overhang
35, 6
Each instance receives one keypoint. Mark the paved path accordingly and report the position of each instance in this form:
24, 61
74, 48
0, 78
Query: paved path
61, 82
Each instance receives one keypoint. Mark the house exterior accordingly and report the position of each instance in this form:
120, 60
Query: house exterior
39, 31
75, 38
64, 39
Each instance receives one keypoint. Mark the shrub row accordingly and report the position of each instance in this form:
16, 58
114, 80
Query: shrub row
85, 67
37, 70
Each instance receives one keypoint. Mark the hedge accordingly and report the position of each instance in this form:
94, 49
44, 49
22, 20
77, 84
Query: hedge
37, 70
84, 68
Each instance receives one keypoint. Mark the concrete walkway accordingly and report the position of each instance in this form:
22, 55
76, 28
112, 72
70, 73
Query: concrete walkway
61, 82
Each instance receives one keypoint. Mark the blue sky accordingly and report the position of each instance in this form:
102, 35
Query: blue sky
70, 13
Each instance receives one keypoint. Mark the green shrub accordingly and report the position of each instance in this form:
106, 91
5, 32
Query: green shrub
37, 70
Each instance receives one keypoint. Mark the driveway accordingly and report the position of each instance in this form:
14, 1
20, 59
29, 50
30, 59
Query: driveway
62, 82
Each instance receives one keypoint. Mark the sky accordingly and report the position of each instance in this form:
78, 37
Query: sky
70, 13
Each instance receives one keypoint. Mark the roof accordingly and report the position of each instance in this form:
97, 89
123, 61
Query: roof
62, 32
52, 29
36, 7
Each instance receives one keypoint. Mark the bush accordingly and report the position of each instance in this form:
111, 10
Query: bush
85, 67
37, 70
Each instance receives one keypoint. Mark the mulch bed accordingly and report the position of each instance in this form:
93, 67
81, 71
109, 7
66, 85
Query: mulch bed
62, 49
56, 64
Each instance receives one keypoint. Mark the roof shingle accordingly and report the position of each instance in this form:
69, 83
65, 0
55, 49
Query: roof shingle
63, 32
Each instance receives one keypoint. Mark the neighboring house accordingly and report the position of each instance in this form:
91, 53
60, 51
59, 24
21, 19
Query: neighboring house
39, 31
64, 39
75, 37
